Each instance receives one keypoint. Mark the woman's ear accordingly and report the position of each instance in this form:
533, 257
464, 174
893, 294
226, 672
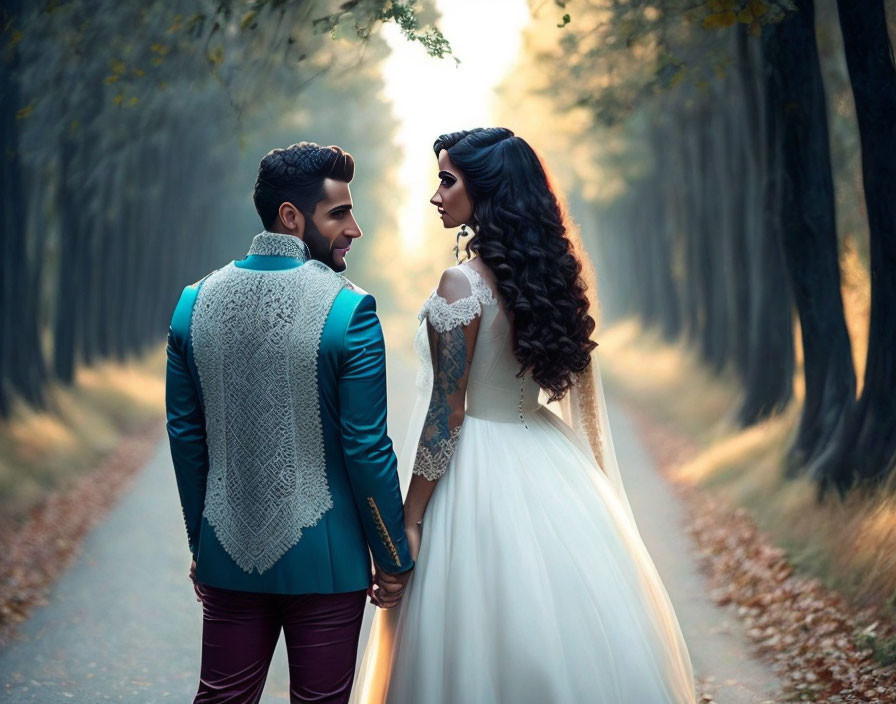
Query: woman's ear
292, 218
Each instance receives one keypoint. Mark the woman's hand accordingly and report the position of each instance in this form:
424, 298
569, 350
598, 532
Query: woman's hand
414, 531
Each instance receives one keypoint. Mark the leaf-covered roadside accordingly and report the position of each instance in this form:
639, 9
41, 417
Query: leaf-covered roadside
34, 555
823, 648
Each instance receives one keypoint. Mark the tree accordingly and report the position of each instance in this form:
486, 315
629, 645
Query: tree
865, 448
796, 117
129, 132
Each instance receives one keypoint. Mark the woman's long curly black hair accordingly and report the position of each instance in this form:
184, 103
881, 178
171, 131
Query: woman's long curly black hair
521, 237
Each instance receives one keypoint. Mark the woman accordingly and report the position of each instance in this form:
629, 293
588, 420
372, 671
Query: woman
532, 583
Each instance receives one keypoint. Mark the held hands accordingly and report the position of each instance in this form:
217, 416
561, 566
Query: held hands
387, 589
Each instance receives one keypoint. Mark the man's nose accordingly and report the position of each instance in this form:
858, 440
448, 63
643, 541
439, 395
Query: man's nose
354, 230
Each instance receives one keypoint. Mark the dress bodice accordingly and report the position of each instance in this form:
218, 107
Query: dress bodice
494, 391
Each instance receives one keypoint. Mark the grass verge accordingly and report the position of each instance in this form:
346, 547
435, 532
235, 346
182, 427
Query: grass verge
848, 545
63, 468
45, 451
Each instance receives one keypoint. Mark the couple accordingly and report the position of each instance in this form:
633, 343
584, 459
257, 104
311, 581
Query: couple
513, 563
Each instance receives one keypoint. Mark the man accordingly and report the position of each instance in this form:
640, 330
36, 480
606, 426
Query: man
276, 405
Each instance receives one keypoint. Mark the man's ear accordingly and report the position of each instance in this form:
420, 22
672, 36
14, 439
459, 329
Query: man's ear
292, 218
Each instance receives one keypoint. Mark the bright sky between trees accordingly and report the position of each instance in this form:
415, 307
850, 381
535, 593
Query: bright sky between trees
433, 96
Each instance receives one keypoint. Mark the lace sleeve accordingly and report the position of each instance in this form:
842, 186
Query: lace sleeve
452, 314
443, 315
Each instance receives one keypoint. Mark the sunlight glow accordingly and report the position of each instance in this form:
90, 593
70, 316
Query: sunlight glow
433, 96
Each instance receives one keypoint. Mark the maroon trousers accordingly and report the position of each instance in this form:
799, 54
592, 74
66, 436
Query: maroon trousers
240, 631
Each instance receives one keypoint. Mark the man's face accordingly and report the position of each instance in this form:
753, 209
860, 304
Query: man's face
332, 227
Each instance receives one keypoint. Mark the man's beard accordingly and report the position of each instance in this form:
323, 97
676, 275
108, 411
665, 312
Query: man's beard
318, 245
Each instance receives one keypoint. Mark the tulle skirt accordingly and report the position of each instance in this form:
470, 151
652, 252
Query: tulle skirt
532, 585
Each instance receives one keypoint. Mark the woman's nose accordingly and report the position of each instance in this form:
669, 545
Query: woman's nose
436, 199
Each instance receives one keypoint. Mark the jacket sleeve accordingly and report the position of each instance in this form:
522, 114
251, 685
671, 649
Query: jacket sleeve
186, 421
369, 458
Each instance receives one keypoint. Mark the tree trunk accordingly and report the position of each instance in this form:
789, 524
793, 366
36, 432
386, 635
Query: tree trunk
867, 447
796, 111
769, 361
22, 367
68, 292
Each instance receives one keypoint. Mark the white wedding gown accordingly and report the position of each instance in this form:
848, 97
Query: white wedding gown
532, 583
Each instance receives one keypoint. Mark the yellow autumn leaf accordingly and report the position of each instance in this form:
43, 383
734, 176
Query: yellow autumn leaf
757, 7
756, 29
216, 56
25, 111
133, 100
719, 20
139, 72
111, 79
247, 19
118, 99
745, 16
117, 66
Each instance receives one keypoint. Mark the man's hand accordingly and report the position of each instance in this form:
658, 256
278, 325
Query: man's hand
193, 579
387, 589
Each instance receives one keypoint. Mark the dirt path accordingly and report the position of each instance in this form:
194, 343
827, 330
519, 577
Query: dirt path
719, 648
122, 623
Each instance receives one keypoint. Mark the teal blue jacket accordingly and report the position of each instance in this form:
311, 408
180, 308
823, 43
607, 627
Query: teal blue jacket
366, 517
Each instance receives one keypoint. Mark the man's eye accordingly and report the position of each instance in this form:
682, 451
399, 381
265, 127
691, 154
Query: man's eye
339, 214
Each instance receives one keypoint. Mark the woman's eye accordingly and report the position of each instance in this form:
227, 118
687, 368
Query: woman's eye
447, 182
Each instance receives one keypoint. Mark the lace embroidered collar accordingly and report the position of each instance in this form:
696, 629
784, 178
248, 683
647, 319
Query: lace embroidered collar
277, 245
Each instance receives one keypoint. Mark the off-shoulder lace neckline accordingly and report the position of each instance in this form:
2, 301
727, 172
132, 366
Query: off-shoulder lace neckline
480, 288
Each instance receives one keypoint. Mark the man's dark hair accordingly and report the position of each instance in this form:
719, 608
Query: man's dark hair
296, 175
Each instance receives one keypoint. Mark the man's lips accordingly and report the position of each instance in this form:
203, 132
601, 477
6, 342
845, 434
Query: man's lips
342, 250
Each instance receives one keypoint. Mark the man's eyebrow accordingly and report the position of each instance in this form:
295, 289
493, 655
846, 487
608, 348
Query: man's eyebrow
443, 174
344, 206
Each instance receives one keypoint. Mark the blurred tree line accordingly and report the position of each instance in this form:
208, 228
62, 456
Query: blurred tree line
720, 223
130, 135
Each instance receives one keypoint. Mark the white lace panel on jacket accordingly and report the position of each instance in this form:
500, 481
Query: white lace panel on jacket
256, 336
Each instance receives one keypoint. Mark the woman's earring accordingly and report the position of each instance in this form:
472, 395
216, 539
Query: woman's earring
462, 233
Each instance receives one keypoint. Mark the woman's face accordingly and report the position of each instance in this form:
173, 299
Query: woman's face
451, 199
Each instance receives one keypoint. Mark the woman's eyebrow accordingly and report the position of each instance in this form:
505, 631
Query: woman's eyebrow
446, 174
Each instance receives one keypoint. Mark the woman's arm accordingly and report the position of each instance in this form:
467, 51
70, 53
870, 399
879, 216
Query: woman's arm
452, 325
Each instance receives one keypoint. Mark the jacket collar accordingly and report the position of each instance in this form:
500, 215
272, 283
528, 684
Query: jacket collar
273, 244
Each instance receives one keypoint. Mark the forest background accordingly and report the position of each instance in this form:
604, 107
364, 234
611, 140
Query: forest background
730, 165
